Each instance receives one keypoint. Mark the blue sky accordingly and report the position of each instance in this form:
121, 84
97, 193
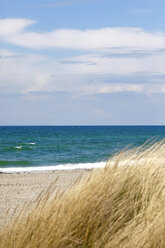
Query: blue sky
82, 62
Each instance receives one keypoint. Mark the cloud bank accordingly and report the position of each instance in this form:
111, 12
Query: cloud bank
116, 60
82, 75
118, 74
14, 31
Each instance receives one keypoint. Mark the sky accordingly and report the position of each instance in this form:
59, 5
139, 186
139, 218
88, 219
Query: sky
82, 62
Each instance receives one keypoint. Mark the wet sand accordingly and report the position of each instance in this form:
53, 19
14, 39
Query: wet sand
16, 189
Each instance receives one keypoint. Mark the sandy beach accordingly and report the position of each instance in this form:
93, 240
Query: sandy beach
18, 189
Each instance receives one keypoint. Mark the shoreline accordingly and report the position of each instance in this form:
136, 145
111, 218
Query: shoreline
20, 188
52, 168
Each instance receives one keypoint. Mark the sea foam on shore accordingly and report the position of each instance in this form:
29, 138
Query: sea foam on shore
79, 166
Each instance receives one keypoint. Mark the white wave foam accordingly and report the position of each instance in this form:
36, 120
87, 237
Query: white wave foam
80, 166
18, 147
31, 143
64, 167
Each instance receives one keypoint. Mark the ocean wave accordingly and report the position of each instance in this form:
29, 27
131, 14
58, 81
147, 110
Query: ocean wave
62, 167
26, 146
30, 143
18, 147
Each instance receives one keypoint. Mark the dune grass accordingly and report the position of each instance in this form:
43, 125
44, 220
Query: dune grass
121, 205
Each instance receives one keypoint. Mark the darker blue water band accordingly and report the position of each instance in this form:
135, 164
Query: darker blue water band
25, 146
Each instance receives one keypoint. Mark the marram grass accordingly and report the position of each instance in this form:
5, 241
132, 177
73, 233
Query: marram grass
121, 205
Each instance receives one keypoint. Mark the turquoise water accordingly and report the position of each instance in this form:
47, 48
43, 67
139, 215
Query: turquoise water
45, 146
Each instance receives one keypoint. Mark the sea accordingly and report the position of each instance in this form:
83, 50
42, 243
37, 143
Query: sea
49, 148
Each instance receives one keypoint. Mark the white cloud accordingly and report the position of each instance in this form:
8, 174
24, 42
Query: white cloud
10, 27
137, 88
122, 87
13, 31
17, 71
87, 75
83, 74
121, 66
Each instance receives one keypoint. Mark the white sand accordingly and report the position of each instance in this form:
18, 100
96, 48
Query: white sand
19, 189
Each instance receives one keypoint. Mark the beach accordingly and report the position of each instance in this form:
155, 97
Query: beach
18, 189
115, 206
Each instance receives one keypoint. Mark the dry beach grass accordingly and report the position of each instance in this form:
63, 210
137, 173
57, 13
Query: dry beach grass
117, 206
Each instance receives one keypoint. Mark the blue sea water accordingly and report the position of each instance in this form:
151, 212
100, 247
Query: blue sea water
30, 148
